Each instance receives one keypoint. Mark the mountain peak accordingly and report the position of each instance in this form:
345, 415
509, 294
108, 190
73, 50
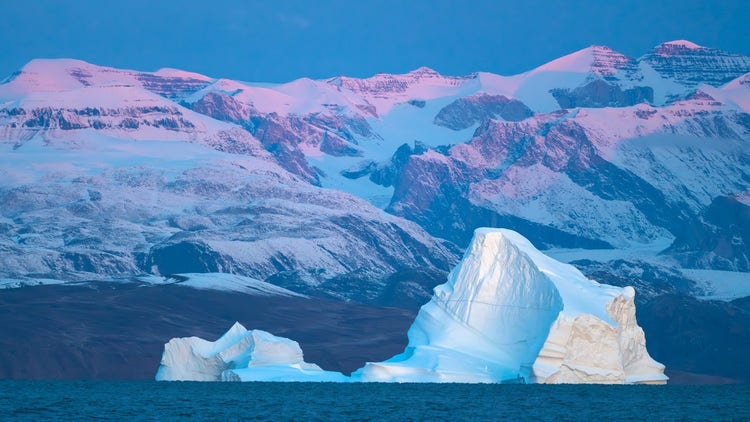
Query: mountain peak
44, 64
676, 48
597, 59
690, 64
48, 75
424, 71
683, 43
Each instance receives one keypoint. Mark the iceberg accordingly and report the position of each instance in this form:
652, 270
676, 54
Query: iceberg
239, 355
507, 314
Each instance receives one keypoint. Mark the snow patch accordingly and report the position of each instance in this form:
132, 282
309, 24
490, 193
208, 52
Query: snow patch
221, 282
720, 285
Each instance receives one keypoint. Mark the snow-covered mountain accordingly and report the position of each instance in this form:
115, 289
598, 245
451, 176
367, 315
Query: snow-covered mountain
97, 207
106, 176
594, 149
615, 175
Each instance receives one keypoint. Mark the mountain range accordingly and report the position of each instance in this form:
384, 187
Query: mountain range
366, 191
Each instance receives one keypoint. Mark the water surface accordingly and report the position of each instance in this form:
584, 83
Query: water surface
44, 400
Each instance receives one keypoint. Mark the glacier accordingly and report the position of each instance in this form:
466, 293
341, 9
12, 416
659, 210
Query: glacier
507, 314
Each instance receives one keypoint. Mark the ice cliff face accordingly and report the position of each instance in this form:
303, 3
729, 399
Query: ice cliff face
509, 313
239, 355
586, 349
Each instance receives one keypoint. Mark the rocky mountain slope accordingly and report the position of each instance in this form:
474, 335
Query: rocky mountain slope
107, 177
112, 208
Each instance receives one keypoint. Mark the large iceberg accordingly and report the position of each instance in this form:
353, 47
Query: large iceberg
508, 313
239, 355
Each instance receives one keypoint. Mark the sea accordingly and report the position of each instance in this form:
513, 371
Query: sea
152, 401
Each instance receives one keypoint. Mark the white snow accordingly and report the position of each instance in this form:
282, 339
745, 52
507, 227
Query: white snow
14, 283
648, 252
720, 285
736, 92
220, 282
543, 196
674, 162
51, 76
92, 153
239, 355
135, 206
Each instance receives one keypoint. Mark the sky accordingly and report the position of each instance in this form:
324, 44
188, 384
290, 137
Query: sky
282, 40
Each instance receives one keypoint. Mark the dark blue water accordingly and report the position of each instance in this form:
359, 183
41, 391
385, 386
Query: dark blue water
36, 400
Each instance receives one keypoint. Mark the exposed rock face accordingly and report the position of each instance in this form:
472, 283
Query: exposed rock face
649, 280
286, 136
565, 178
509, 313
222, 106
607, 63
488, 166
172, 87
599, 93
128, 122
386, 85
468, 111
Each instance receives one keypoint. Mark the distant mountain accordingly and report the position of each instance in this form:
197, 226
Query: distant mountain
594, 149
691, 65
106, 177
